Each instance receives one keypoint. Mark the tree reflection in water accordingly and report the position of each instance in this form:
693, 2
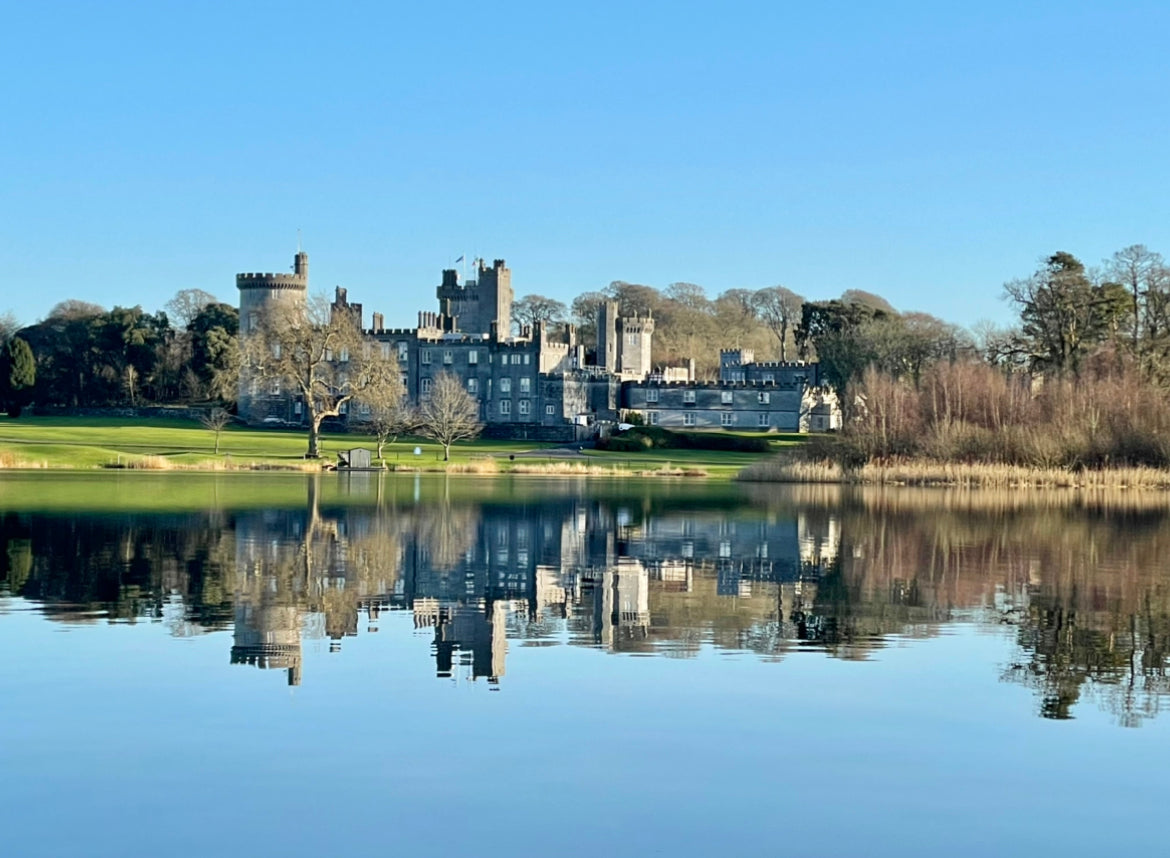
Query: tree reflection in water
769, 570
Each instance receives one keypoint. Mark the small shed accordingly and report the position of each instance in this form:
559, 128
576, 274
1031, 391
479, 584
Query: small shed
358, 457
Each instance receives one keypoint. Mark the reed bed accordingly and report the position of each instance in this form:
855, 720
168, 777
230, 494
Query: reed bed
8, 459
961, 475
162, 463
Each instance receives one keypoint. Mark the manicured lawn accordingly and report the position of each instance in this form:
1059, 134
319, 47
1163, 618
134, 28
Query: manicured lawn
94, 442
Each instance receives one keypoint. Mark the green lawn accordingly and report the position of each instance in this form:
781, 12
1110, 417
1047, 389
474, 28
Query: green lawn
95, 442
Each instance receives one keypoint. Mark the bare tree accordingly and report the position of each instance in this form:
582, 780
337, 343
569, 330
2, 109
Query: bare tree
214, 421
779, 309
187, 303
320, 355
383, 410
536, 308
8, 326
448, 413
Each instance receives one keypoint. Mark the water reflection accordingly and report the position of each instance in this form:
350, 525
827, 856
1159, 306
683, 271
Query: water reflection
634, 570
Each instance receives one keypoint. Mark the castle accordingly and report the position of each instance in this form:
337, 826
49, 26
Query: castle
539, 383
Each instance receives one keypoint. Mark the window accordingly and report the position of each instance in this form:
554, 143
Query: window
403, 351
526, 385
550, 410
765, 397
688, 397
515, 360
344, 356
425, 386
652, 394
364, 409
274, 388
473, 356
505, 385
763, 418
727, 418
652, 417
448, 357
328, 354
633, 339
524, 406
527, 359
505, 407
386, 352
689, 419
253, 321
426, 356
725, 397
297, 408
343, 408
769, 378
472, 386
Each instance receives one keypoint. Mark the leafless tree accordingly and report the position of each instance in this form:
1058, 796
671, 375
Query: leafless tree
385, 413
537, 308
448, 413
322, 356
214, 421
779, 309
186, 304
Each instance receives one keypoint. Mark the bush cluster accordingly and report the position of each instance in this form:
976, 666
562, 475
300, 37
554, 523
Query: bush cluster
1109, 415
643, 438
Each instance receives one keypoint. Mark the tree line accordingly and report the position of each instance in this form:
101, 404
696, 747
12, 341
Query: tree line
1090, 348
1079, 381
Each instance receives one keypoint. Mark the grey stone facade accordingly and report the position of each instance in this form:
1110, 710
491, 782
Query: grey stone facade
536, 385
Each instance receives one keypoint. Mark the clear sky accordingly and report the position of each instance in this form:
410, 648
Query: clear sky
924, 151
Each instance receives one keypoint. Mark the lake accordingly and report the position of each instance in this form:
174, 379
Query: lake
372, 664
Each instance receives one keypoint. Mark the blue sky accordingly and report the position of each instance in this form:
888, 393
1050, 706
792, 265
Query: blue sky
922, 151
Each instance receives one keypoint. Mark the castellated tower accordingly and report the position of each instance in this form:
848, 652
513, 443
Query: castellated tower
623, 342
480, 302
636, 333
259, 295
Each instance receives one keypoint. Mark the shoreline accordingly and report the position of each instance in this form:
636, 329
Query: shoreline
924, 473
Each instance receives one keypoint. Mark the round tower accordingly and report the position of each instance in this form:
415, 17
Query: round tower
260, 293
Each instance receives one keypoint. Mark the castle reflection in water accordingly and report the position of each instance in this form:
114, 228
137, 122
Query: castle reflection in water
668, 569
478, 574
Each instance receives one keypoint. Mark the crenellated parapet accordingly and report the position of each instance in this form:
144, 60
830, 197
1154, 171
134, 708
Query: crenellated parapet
269, 280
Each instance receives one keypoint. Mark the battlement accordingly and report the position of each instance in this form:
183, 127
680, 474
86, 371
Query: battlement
270, 280
718, 385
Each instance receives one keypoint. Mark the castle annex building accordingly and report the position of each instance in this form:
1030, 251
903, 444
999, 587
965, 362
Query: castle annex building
542, 383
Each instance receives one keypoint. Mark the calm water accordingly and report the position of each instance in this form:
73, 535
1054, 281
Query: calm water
365, 665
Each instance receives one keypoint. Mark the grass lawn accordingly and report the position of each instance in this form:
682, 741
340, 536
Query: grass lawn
97, 442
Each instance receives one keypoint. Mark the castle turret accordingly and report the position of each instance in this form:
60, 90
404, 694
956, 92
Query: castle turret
260, 295
480, 302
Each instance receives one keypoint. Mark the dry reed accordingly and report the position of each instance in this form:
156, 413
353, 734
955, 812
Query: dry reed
962, 475
9, 460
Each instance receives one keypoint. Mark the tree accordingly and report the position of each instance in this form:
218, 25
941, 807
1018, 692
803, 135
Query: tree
187, 304
318, 354
448, 413
8, 327
215, 420
18, 374
779, 309
536, 308
1063, 314
837, 331
867, 299
583, 314
1145, 276
386, 422
383, 410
